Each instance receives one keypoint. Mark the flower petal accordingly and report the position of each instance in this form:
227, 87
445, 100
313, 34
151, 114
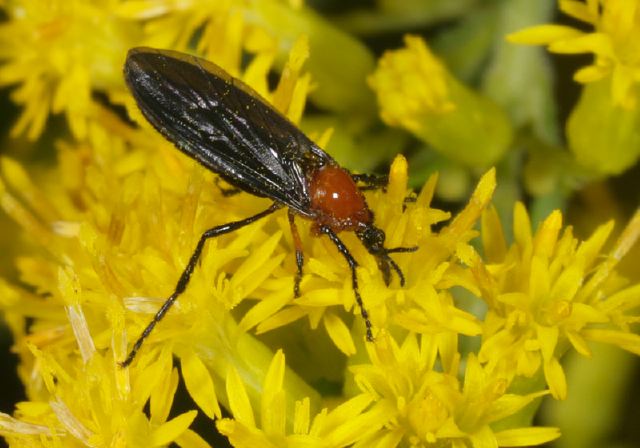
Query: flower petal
238, 399
339, 333
199, 384
543, 34
536, 435
169, 431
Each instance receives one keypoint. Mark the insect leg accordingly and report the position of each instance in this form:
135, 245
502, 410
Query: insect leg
353, 264
378, 181
371, 181
188, 270
299, 254
401, 250
226, 192
394, 265
383, 266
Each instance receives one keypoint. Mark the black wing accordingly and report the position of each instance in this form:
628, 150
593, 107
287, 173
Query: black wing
223, 124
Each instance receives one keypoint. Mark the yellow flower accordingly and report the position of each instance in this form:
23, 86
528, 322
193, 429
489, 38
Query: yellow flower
113, 224
224, 30
423, 406
549, 290
415, 91
89, 400
615, 42
267, 425
424, 305
114, 233
61, 52
57, 54
602, 128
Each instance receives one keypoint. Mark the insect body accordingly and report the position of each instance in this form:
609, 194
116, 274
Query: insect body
226, 126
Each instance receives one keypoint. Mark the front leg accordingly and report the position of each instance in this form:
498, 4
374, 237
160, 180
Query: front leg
353, 264
371, 181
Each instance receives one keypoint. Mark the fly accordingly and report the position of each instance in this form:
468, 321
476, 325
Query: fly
228, 128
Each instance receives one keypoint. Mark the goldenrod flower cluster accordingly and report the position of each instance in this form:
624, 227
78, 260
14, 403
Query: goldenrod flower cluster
500, 289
